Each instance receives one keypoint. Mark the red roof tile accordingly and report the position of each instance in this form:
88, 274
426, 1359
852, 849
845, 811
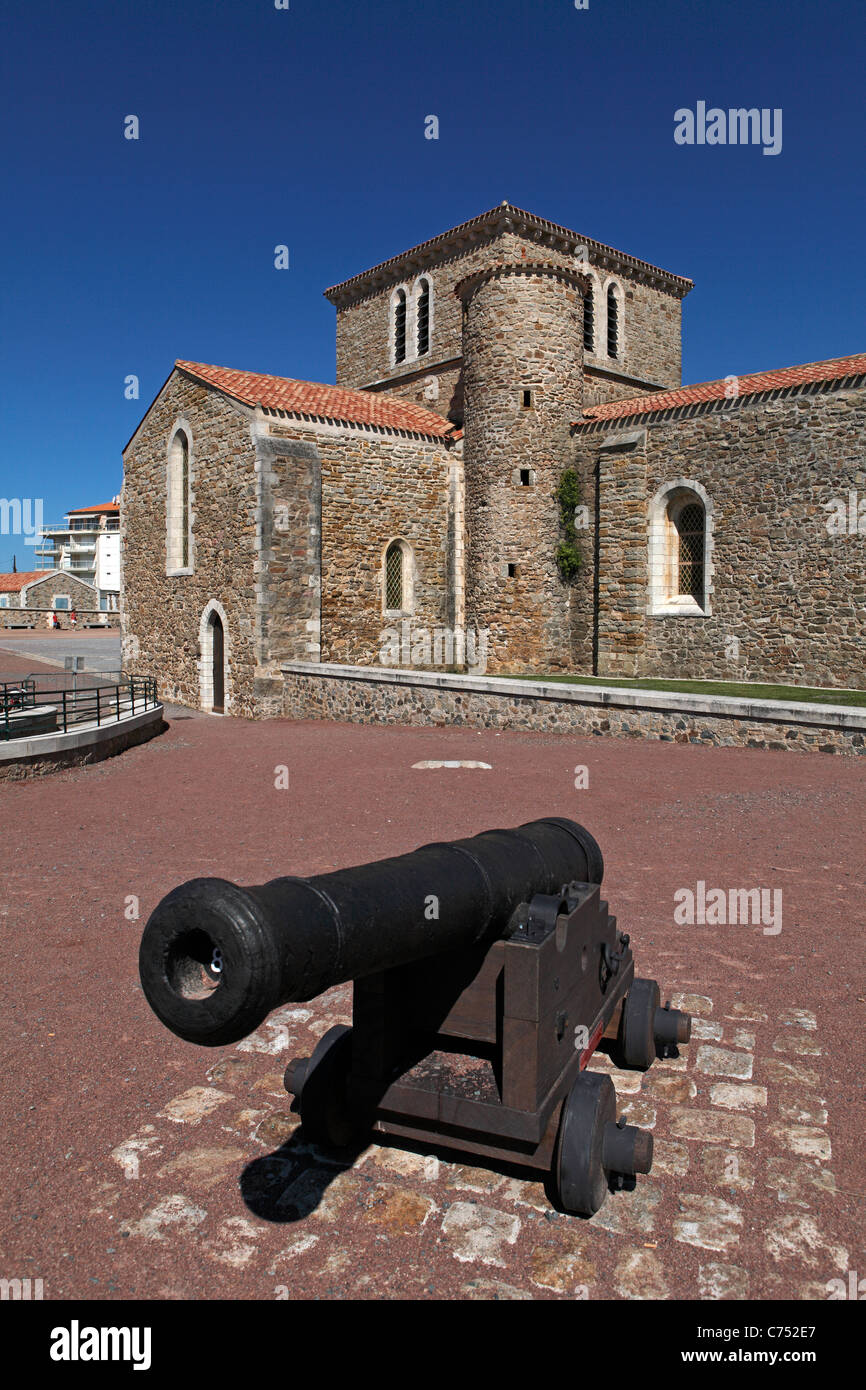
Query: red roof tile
313, 398
832, 370
14, 583
89, 511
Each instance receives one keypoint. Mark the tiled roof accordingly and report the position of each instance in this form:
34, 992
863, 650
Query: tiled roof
505, 211
14, 583
832, 370
322, 402
89, 511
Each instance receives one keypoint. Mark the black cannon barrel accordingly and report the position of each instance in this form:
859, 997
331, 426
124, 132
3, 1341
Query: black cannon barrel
215, 958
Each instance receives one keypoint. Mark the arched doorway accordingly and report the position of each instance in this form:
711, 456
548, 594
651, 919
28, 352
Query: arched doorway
218, 664
215, 654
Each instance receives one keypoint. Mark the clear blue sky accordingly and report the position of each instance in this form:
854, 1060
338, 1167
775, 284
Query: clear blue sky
261, 126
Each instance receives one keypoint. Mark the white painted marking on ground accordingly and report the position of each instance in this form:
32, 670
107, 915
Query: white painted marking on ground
488, 767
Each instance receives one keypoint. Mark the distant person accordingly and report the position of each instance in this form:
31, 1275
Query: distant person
73, 618
54, 623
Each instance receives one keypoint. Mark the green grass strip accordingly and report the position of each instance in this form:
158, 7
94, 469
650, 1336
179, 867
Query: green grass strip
800, 694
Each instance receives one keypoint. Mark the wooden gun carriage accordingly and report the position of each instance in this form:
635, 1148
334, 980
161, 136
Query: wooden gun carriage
487, 972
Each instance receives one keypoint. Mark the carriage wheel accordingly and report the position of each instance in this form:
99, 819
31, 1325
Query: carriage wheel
322, 1098
637, 1035
579, 1175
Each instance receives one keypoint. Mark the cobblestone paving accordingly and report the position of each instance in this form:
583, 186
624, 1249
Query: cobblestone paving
380, 1226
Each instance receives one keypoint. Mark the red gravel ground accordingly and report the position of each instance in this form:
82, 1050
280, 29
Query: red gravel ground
118, 1183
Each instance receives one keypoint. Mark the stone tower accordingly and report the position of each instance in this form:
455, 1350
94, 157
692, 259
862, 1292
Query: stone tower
523, 385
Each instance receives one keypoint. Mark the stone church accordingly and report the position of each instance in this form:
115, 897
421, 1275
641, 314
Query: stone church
508, 463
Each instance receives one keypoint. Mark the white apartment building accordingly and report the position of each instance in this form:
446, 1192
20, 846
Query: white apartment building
88, 546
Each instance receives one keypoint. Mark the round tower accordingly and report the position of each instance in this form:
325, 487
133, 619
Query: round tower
523, 385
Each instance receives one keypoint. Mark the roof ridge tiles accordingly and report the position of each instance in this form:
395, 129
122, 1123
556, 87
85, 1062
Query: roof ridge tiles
731, 388
491, 216
318, 400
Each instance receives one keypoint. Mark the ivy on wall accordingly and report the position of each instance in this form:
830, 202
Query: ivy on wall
568, 556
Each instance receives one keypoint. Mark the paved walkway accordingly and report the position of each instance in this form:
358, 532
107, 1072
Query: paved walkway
101, 651
136, 1165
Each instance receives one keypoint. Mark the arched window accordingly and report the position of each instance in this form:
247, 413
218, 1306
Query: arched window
394, 577
589, 320
177, 504
680, 547
422, 317
397, 578
689, 522
400, 326
612, 321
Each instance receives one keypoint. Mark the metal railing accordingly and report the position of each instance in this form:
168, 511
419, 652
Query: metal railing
87, 697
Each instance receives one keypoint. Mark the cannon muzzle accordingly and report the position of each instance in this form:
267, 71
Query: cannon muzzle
216, 958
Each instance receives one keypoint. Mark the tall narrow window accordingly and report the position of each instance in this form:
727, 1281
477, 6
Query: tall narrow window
177, 504
423, 317
394, 577
589, 320
612, 322
400, 326
689, 523
184, 502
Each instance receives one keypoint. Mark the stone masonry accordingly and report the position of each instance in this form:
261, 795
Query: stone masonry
651, 353
289, 524
522, 333
359, 696
445, 449
788, 588
162, 614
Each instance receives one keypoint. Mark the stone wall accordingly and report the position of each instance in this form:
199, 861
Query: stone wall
523, 380
364, 697
41, 618
288, 589
162, 614
650, 317
438, 387
289, 523
377, 488
352, 491
41, 593
788, 598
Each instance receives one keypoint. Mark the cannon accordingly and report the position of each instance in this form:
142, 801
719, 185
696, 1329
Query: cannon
486, 973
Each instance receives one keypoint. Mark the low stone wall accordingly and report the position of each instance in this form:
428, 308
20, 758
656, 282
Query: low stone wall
367, 695
39, 618
40, 754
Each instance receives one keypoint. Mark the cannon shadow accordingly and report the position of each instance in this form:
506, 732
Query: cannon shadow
289, 1184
